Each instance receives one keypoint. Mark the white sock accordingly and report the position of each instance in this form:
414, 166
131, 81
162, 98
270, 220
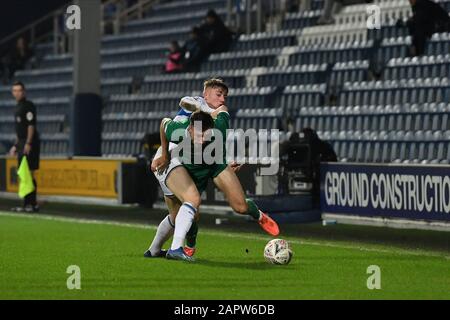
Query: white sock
183, 223
163, 233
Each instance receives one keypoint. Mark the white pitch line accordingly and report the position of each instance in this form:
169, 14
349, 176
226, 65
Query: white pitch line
229, 235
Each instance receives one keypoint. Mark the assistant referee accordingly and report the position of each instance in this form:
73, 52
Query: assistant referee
27, 141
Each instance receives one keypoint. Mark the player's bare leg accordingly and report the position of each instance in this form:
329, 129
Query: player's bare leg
229, 184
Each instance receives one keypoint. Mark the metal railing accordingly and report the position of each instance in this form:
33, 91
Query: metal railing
123, 15
35, 32
50, 27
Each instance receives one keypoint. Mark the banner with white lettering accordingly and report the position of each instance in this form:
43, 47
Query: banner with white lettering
419, 192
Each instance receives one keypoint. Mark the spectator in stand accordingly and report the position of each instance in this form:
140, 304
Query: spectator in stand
174, 61
218, 37
428, 18
194, 51
136, 85
18, 57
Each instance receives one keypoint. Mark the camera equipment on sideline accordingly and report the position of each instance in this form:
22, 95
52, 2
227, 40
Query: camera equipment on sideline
149, 145
301, 156
148, 185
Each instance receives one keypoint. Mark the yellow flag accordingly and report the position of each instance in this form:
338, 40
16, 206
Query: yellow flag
26, 185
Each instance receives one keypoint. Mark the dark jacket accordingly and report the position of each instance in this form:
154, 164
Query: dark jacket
194, 52
218, 36
428, 17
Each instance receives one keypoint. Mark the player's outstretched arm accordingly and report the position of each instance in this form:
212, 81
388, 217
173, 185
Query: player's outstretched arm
189, 104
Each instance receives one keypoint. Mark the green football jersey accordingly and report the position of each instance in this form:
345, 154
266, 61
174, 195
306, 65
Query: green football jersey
200, 173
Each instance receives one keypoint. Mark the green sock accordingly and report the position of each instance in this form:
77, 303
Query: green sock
253, 210
191, 236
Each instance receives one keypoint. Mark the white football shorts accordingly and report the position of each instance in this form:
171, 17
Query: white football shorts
174, 162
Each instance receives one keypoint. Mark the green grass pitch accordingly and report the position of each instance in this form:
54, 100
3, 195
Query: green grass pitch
36, 251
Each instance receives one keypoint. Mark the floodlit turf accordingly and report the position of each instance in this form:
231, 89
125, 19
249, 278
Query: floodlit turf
35, 253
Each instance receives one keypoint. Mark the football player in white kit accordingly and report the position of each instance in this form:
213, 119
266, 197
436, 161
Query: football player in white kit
188, 105
184, 182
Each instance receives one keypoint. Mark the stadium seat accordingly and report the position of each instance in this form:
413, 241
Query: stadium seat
293, 75
241, 60
325, 85
295, 97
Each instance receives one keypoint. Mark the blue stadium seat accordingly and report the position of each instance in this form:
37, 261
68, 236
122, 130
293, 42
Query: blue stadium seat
403, 117
332, 53
183, 18
300, 20
292, 75
152, 36
241, 60
439, 44
295, 97
351, 71
250, 97
392, 48
263, 40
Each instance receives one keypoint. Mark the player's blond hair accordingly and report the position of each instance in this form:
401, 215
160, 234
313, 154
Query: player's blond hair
215, 83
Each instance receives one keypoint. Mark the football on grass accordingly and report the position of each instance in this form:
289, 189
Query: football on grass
278, 251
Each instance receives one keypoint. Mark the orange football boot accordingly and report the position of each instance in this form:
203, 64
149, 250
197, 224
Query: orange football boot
268, 224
